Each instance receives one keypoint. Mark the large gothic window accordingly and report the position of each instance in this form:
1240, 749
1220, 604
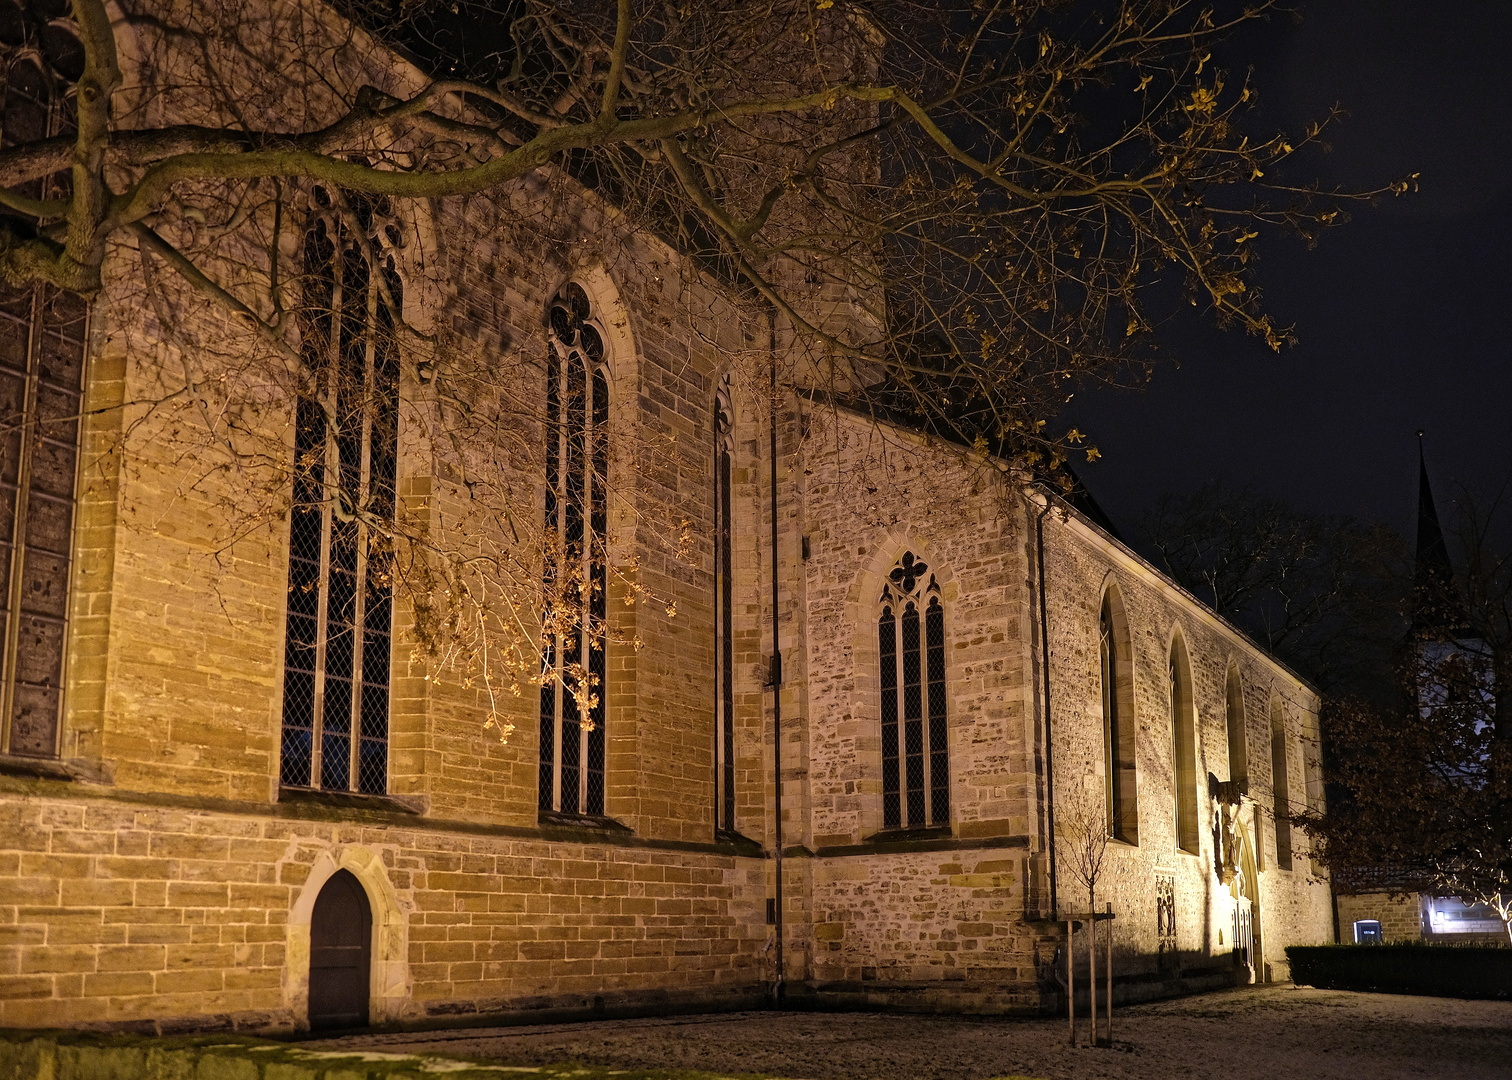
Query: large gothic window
573, 686
724, 611
1183, 748
1281, 787
1120, 786
340, 610
42, 333
1238, 737
911, 651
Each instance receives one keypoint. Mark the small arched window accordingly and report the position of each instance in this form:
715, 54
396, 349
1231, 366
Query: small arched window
724, 611
1120, 786
1281, 787
338, 640
1183, 748
1238, 739
911, 652
573, 685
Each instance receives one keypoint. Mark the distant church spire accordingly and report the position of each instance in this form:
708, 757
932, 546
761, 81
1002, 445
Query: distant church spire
1436, 606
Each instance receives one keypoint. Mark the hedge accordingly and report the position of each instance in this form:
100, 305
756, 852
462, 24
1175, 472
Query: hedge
1461, 971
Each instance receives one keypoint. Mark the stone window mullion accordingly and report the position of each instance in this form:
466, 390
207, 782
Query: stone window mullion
336, 709
573, 756
41, 382
914, 720
18, 520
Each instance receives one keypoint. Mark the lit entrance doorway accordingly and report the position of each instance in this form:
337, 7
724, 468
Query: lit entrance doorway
1245, 891
341, 941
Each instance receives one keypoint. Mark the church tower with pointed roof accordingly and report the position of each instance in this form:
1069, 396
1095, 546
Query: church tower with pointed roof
1437, 611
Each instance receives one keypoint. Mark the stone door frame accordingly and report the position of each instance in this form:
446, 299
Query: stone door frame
389, 979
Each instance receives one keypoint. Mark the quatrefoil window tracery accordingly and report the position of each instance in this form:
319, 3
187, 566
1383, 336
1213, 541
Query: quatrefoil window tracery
904, 581
572, 324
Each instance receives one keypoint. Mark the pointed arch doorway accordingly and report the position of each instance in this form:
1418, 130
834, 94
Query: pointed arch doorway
341, 960
1244, 889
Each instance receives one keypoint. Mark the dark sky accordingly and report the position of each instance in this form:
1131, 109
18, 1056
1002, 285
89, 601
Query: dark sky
1403, 314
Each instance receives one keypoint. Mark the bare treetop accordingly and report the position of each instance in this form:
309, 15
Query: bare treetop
956, 208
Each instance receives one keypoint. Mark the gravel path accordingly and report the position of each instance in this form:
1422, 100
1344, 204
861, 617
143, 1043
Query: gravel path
1265, 1033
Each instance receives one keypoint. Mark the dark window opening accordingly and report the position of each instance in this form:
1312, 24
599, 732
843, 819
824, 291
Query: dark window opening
1281, 788
42, 335
574, 687
338, 644
915, 735
724, 612
1183, 749
1120, 786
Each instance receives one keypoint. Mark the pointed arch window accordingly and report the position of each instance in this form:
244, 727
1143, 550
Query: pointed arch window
574, 686
1238, 739
1183, 749
42, 335
1120, 786
911, 652
1281, 787
337, 647
724, 610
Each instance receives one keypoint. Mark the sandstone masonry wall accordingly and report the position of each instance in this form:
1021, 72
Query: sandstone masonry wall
112, 913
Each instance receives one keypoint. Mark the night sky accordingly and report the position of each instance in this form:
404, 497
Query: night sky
1404, 314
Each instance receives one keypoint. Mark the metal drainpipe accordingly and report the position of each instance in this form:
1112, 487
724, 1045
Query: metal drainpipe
779, 986
1039, 539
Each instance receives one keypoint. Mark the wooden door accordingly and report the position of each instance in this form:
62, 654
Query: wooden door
341, 934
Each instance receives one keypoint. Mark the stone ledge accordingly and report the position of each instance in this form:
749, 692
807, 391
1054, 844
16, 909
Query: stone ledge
360, 810
895, 843
590, 823
354, 800
66, 770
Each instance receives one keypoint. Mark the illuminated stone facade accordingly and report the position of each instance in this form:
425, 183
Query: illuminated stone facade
156, 872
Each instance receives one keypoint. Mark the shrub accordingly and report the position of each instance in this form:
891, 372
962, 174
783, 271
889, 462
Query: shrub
1462, 971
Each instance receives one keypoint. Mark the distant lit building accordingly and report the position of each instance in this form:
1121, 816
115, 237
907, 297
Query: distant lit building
1378, 907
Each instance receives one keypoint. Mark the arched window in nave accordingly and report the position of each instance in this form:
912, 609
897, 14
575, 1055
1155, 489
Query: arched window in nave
1183, 748
1121, 785
724, 610
574, 687
911, 655
1281, 786
42, 335
1238, 737
338, 643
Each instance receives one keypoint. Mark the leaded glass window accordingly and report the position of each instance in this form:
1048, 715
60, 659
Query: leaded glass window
724, 612
340, 608
573, 685
911, 655
1120, 775
42, 335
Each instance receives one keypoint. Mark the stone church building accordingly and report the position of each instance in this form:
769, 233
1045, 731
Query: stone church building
236, 794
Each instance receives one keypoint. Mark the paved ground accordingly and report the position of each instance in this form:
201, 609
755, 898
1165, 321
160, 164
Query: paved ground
1264, 1033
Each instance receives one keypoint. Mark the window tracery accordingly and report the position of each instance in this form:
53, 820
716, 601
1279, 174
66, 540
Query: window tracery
573, 686
724, 618
42, 335
915, 754
338, 645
